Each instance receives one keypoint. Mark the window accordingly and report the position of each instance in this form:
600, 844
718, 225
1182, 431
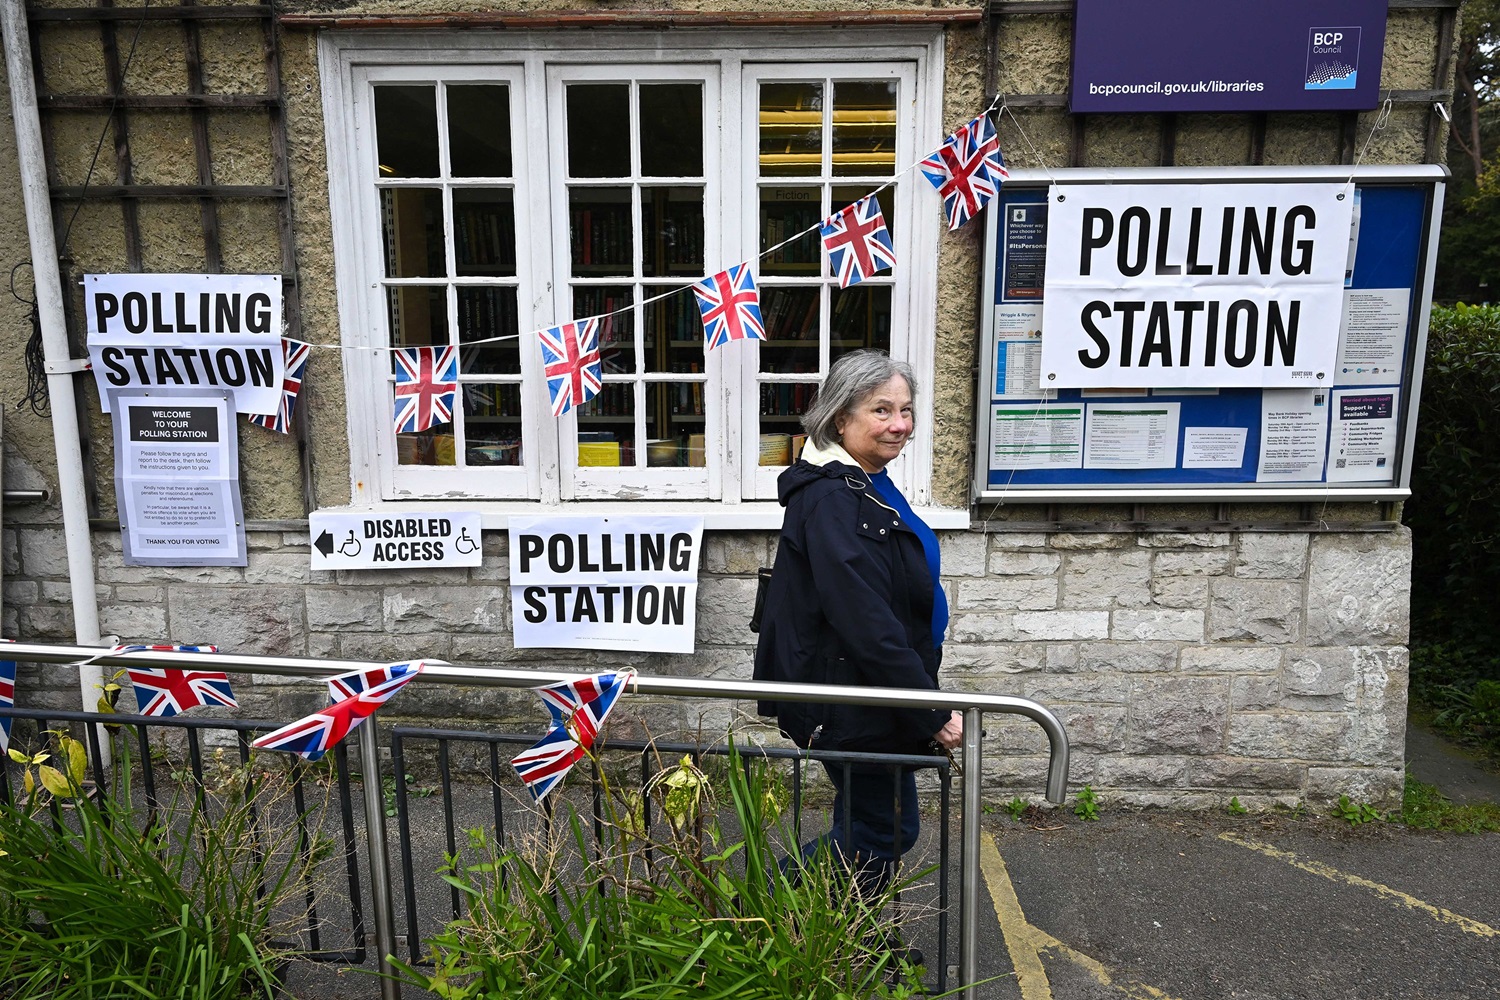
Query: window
482, 194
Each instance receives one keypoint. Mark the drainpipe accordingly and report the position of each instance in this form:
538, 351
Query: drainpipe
60, 365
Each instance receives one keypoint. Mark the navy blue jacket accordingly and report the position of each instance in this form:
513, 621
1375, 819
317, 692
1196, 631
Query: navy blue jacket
850, 603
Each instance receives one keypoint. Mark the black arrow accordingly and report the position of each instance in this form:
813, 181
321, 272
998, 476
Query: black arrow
324, 544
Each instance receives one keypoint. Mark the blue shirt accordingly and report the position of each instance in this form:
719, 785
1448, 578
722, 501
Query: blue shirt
882, 482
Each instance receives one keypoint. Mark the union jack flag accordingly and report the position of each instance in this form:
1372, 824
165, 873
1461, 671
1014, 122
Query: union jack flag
356, 697
296, 354
578, 709
731, 307
166, 692
426, 384
858, 242
571, 362
7, 700
967, 170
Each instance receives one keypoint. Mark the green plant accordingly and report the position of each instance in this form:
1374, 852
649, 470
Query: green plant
102, 898
1087, 806
1355, 813
1235, 808
703, 914
1016, 807
1426, 808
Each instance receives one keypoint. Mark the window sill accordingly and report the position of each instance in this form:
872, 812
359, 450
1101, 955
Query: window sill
759, 516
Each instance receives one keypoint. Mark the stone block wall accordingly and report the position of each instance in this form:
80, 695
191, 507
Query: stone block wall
1187, 668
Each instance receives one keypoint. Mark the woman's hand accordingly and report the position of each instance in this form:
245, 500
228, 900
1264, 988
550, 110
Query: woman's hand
952, 733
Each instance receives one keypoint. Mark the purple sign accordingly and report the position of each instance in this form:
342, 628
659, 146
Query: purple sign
1187, 55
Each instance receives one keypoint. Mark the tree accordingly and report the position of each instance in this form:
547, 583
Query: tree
1468, 259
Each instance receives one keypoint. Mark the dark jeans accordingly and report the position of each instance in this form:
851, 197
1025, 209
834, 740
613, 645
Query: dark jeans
877, 835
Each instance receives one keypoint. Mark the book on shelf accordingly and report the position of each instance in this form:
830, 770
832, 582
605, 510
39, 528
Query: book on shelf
697, 454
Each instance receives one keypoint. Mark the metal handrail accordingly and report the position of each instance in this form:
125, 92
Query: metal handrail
973, 706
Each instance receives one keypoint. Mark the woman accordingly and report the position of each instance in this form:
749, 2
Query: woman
855, 599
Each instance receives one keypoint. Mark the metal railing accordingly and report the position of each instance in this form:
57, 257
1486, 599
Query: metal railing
973, 706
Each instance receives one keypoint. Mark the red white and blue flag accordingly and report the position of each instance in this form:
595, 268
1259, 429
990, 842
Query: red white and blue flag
578, 709
967, 170
730, 305
571, 363
313, 736
165, 692
296, 353
858, 242
7, 700
426, 384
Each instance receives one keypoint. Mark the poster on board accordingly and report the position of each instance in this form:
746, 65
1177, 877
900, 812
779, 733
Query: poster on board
1194, 285
621, 582
177, 477
204, 331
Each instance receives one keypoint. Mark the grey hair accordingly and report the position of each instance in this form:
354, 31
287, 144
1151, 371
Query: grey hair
851, 380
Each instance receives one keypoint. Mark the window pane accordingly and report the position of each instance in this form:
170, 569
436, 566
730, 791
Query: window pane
599, 130
406, 131
430, 447
781, 408
791, 317
864, 128
479, 131
492, 423
672, 220
616, 328
861, 318
418, 315
412, 225
844, 195
674, 329
791, 129
674, 422
606, 427
671, 130
485, 313
601, 236
785, 212
484, 231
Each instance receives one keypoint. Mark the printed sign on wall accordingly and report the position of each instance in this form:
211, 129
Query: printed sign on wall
204, 331
429, 538
619, 582
1194, 285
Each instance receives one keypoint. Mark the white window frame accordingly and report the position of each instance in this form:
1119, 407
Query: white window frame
736, 490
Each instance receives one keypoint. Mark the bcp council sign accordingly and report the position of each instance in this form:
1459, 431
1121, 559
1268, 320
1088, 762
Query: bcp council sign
1194, 285
621, 582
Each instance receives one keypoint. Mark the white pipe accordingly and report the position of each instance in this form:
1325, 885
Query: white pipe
49, 299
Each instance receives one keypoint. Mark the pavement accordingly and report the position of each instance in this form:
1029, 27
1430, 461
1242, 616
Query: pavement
1165, 905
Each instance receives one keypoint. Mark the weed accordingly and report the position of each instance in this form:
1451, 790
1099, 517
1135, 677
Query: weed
1355, 813
1087, 806
1016, 807
1235, 808
1425, 808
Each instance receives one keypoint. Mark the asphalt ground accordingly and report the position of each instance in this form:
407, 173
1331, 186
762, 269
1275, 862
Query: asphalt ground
1171, 906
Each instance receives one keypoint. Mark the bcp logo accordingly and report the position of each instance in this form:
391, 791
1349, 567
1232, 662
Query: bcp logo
1332, 58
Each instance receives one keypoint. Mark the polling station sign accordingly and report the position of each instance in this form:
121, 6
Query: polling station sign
622, 582
193, 331
426, 539
1194, 285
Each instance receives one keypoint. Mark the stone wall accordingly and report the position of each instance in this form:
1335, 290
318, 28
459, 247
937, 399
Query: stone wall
1188, 668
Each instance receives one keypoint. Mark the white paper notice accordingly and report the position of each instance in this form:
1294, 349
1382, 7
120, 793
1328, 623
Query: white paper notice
1213, 447
1372, 337
1293, 435
1018, 351
1036, 437
1362, 446
177, 477
1131, 436
621, 582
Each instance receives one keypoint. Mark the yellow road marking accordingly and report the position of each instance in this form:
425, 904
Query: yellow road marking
1394, 896
1026, 942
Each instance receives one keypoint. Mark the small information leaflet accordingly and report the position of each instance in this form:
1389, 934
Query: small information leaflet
353, 540
616, 582
177, 478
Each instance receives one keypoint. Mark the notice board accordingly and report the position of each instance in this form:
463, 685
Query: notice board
1346, 436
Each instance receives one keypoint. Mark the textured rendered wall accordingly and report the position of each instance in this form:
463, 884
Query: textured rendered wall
1188, 667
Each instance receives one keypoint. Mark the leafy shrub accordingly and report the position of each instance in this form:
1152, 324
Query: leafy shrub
105, 898
704, 915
